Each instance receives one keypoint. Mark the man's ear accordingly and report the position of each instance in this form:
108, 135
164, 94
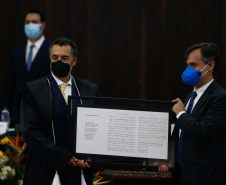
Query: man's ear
43, 26
211, 65
74, 62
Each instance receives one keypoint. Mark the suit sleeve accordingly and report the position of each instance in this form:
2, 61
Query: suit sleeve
36, 138
211, 120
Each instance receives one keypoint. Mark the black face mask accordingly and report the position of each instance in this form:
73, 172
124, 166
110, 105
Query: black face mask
60, 68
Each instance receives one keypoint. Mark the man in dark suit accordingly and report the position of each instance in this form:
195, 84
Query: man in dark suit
44, 120
28, 61
202, 120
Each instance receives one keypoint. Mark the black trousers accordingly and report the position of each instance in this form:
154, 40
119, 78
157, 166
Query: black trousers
70, 176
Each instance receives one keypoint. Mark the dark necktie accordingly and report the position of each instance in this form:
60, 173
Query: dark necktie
179, 149
29, 58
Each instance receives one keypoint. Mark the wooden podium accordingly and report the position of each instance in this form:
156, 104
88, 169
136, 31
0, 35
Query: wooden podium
120, 177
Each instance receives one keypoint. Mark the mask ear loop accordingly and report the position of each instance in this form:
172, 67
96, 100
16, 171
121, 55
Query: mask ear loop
204, 68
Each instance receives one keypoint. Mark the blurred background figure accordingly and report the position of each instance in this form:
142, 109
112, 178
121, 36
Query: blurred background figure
28, 61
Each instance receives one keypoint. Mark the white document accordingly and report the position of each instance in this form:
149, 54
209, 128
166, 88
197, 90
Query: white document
128, 133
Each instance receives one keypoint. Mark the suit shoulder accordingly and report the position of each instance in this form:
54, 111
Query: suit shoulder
219, 90
37, 83
218, 95
221, 93
85, 83
19, 46
34, 86
46, 42
88, 89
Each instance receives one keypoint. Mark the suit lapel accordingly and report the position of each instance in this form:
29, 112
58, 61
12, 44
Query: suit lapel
187, 98
82, 91
204, 97
43, 99
201, 101
23, 57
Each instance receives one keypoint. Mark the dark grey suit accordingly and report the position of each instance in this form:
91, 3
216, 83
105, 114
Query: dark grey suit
45, 157
204, 142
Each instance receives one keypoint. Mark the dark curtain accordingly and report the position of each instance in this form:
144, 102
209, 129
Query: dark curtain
131, 48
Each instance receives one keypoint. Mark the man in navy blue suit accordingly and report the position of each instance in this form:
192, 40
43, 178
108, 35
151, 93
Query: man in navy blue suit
28, 61
201, 119
201, 156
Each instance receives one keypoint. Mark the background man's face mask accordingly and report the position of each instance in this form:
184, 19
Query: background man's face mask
32, 31
60, 68
191, 76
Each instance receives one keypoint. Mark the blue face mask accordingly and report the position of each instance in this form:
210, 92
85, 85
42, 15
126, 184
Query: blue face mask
32, 31
191, 76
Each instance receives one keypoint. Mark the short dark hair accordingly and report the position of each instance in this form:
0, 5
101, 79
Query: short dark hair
209, 52
64, 41
42, 15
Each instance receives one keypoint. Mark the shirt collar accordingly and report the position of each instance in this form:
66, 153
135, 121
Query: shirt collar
201, 90
59, 82
37, 44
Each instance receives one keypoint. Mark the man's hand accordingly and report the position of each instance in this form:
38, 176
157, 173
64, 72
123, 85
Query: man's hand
73, 162
163, 167
178, 107
83, 164
87, 164
79, 162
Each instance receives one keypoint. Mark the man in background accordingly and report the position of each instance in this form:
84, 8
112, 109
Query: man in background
28, 61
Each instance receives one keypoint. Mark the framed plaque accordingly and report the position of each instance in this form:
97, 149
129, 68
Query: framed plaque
121, 129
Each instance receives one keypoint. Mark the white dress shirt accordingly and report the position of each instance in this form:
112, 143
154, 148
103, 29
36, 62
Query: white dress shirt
35, 49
